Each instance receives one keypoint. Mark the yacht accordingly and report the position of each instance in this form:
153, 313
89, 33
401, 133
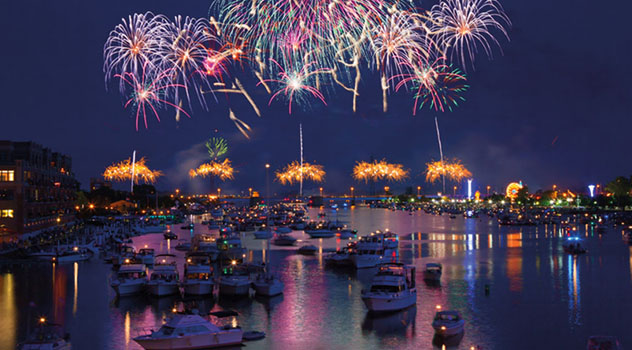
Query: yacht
72, 255
308, 249
198, 274
235, 280
338, 258
284, 240
126, 253
283, 229
267, 285
375, 249
263, 233
393, 288
192, 331
145, 256
170, 235
183, 245
130, 279
448, 323
47, 336
230, 248
346, 233
320, 233
433, 272
164, 278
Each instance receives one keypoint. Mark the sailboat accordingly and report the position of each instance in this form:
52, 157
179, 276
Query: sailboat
265, 283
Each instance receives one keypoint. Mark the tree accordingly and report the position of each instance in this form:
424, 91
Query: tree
523, 195
620, 189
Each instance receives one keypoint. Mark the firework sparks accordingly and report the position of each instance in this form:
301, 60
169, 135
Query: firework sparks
223, 170
216, 147
123, 171
294, 172
378, 170
453, 170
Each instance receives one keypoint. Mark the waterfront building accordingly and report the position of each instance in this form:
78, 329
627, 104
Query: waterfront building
37, 189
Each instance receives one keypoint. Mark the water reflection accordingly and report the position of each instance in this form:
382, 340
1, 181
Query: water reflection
397, 323
574, 289
8, 315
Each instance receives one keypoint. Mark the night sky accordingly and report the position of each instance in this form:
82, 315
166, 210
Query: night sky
553, 108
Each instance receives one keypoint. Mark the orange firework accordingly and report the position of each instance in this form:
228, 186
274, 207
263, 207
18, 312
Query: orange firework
223, 170
453, 170
125, 170
293, 172
377, 170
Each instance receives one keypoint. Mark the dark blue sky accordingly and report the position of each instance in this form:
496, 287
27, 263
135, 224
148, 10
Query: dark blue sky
555, 108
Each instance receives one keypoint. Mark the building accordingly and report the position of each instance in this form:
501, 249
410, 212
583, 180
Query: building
37, 189
98, 183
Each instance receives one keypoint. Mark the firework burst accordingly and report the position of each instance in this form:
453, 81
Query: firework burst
223, 170
379, 170
216, 147
453, 170
294, 172
125, 170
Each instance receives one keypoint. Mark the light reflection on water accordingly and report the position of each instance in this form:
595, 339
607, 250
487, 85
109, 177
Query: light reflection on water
535, 295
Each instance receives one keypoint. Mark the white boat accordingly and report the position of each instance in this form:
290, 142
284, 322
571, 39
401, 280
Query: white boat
198, 278
189, 332
320, 233
448, 323
283, 229
230, 248
268, 285
374, 249
183, 245
284, 240
126, 253
47, 336
393, 288
72, 255
234, 281
433, 272
263, 233
338, 258
130, 280
164, 278
145, 256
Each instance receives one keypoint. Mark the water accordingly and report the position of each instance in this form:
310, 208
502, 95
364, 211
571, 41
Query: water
539, 298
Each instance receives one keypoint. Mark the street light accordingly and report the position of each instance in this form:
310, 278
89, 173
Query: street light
352, 191
219, 193
454, 195
386, 188
250, 192
267, 182
321, 192
488, 187
418, 190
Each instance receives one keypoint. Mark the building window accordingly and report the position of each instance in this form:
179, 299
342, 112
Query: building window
7, 175
6, 213
6, 195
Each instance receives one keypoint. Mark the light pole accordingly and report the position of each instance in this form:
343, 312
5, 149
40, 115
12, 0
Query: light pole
219, 193
321, 192
250, 192
418, 192
352, 191
267, 182
454, 194
386, 188
488, 187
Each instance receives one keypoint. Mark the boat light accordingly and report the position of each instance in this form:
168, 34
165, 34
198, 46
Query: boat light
438, 307
75, 248
174, 310
127, 261
233, 262
443, 328
42, 320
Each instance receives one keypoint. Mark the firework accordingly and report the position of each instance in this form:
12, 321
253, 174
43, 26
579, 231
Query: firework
453, 170
464, 25
294, 172
378, 170
222, 170
133, 45
216, 147
123, 171
149, 92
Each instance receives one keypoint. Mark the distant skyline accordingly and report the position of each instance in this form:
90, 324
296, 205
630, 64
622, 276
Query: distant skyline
554, 108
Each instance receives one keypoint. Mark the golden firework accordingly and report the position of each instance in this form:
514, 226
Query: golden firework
378, 170
223, 170
293, 172
122, 171
453, 170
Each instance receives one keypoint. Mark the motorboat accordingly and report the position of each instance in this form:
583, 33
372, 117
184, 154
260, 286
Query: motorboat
393, 288
338, 258
126, 254
145, 256
283, 229
375, 249
573, 246
346, 233
448, 324
187, 227
170, 235
190, 331
308, 249
230, 248
284, 240
198, 274
164, 278
264, 232
145, 229
47, 336
320, 233
130, 279
234, 280
183, 245
601, 342
433, 272
72, 255
267, 285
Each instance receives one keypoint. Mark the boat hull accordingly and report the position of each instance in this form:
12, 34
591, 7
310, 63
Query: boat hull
387, 303
268, 289
199, 341
198, 287
234, 289
162, 289
128, 287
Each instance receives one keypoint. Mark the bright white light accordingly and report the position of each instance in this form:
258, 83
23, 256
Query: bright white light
591, 188
469, 189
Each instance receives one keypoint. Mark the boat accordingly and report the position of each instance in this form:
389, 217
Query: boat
374, 249
230, 248
47, 336
284, 240
254, 335
187, 227
72, 255
145, 256
130, 279
573, 246
164, 278
393, 288
433, 272
338, 258
601, 342
145, 229
190, 331
320, 233
346, 233
126, 255
183, 245
170, 235
448, 324
263, 233
308, 249
198, 274
283, 229
234, 281
267, 284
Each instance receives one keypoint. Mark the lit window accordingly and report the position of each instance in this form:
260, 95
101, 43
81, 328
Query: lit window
6, 213
7, 175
